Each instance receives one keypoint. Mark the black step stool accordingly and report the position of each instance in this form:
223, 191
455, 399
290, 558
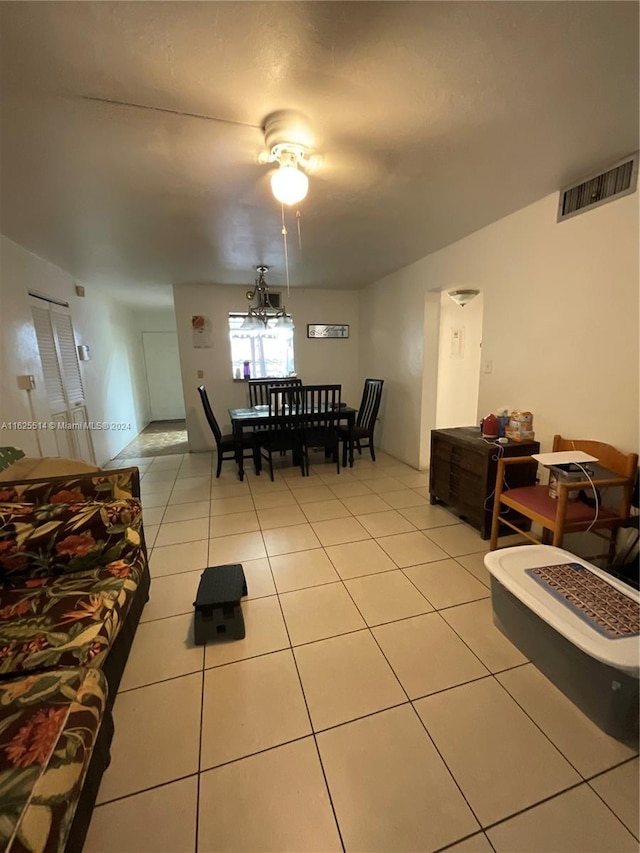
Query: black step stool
217, 604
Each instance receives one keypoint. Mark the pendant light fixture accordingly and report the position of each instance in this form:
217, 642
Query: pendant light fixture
258, 316
462, 297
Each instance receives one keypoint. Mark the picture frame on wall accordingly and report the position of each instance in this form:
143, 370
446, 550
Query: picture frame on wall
328, 330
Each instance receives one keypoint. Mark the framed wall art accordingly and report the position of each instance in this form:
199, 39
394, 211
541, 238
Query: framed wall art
327, 330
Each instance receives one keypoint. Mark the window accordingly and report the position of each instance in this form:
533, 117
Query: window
269, 351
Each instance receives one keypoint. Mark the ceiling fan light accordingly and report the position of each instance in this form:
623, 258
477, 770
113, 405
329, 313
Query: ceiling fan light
288, 184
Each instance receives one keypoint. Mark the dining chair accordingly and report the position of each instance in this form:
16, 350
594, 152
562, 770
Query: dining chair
321, 402
566, 514
285, 429
365, 420
259, 389
226, 444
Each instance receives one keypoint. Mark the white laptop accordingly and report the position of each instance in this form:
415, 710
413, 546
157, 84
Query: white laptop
563, 457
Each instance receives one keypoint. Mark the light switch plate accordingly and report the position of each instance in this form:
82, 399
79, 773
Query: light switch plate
26, 382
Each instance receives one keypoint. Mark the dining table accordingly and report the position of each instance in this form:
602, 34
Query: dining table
258, 416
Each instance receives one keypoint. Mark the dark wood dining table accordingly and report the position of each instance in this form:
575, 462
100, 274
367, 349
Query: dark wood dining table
242, 419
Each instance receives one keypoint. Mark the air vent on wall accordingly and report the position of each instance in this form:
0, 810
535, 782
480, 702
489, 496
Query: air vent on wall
619, 180
275, 299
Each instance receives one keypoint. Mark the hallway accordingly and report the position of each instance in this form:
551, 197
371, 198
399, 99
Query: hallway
159, 438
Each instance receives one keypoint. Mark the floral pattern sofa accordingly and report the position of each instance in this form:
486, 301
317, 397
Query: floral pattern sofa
74, 579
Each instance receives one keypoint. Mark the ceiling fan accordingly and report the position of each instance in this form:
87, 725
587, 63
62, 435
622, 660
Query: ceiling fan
290, 143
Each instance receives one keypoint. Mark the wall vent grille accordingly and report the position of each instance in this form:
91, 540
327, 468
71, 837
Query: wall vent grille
621, 179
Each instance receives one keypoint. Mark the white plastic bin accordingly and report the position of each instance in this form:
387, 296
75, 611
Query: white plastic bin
598, 673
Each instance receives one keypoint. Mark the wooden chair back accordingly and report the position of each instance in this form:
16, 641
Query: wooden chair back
623, 464
320, 402
259, 389
370, 404
286, 407
208, 411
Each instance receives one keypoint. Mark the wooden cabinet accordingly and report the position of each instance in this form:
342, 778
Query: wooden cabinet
463, 468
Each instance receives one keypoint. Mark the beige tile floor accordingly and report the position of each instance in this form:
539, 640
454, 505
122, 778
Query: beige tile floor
372, 706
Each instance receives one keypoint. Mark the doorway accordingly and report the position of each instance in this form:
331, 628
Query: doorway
459, 361
164, 379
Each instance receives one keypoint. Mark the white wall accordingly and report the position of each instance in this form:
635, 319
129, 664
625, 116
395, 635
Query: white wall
155, 320
458, 362
560, 324
113, 379
394, 348
315, 360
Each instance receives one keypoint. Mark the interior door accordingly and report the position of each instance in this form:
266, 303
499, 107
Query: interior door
164, 379
63, 380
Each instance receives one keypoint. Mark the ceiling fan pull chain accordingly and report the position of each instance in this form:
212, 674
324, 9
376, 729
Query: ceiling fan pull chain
286, 252
299, 218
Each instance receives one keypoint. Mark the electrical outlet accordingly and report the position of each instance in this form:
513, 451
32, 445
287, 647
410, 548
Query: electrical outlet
201, 374
487, 366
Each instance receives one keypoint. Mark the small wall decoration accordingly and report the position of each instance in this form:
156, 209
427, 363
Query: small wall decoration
319, 330
201, 331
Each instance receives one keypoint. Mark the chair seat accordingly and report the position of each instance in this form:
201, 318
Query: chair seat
228, 441
356, 431
536, 498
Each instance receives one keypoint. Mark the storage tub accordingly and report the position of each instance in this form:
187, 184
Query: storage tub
598, 673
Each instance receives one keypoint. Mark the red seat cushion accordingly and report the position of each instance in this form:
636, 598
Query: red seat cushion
536, 498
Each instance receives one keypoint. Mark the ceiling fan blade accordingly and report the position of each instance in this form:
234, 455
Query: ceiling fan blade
349, 171
130, 105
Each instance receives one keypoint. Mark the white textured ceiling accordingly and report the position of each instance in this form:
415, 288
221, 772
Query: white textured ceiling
433, 119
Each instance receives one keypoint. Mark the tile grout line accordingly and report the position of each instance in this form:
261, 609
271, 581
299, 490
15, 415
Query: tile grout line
539, 727
462, 840
601, 798
311, 725
528, 808
202, 687
423, 725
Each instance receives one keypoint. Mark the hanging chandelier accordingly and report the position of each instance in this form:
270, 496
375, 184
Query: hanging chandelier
258, 316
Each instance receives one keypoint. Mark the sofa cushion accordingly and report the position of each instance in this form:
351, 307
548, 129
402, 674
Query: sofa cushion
58, 538
70, 620
48, 727
105, 485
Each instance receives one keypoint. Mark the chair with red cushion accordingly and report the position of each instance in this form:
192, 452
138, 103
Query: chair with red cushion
561, 515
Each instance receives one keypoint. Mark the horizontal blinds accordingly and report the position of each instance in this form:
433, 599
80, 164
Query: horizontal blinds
49, 359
